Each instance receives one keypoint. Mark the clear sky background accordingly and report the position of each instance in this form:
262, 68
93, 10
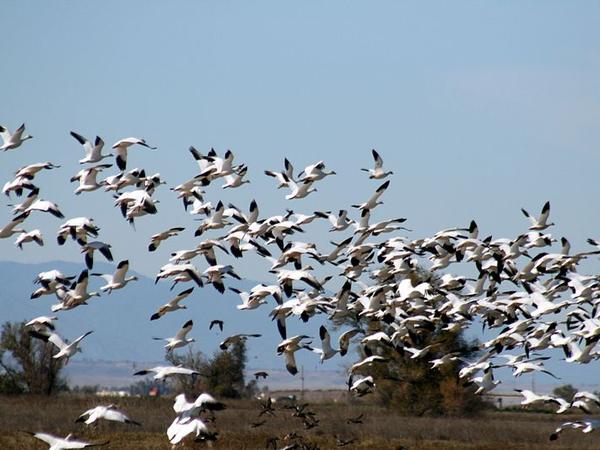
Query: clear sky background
480, 108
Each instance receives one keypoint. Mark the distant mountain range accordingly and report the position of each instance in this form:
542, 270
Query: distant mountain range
123, 331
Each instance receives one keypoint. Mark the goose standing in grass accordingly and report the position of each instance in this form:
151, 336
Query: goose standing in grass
123, 145
118, 279
180, 339
93, 153
172, 305
105, 412
66, 349
13, 140
377, 173
67, 443
31, 236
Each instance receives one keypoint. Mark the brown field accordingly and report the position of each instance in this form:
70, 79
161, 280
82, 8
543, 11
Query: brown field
382, 429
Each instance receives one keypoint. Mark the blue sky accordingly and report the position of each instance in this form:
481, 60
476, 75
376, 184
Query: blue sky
480, 108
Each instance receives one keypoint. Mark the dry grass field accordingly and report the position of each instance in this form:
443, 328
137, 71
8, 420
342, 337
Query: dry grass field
381, 429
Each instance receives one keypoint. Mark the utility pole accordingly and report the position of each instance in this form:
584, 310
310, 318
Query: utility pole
302, 380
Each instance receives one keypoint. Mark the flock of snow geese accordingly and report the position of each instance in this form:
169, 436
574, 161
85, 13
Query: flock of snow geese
395, 293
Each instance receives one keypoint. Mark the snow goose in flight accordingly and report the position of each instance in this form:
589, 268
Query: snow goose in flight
236, 179
486, 382
377, 173
31, 236
106, 412
180, 429
66, 349
77, 295
57, 443
11, 227
314, 172
93, 153
531, 398
339, 221
248, 302
586, 426
286, 277
29, 200
216, 273
90, 248
49, 282
180, 339
42, 323
78, 228
367, 362
542, 222
284, 177
326, 352
87, 178
362, 386
344, 340
216, 322
123, 145
13, 140
45, 206
214, 222
156, 239
180, 273
374, 199
136, 204
31, 170
219, 167
203, 161
287, 348
204, 402
17, 185
236, 339
163, 372
300, 189
172, 305
134, 177
118, 279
